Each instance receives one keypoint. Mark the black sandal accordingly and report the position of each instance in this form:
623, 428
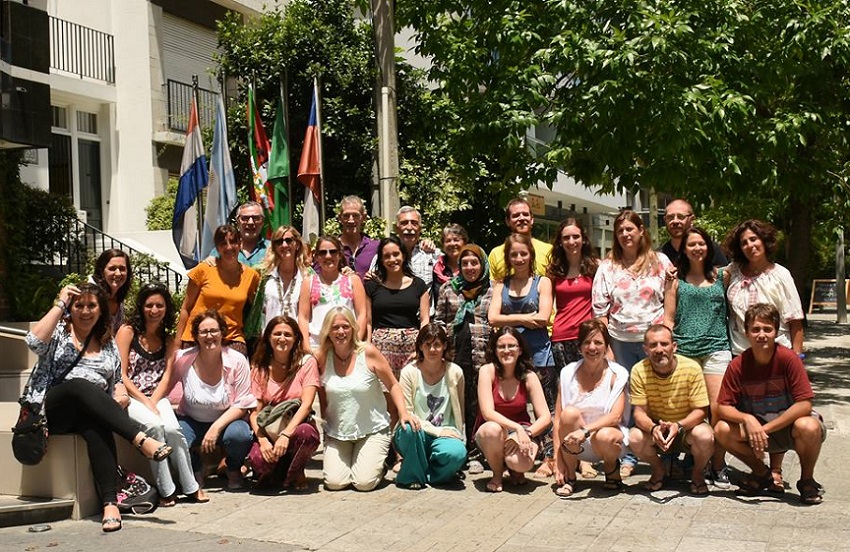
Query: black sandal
614, 483
811, 492
107, 524
754, 484
160, 454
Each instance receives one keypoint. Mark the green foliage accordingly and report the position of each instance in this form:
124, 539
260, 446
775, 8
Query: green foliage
160, 211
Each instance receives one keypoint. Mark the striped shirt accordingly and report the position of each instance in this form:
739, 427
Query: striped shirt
670, 398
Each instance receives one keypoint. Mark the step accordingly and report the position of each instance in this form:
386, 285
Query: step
21, 510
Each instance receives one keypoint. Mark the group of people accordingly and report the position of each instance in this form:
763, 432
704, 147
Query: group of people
433, 360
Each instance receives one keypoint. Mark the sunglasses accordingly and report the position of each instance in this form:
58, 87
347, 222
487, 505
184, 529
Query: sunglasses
249, 218
327, 252
279, 241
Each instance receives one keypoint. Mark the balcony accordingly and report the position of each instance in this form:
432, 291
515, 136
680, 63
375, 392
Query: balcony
81, 51
180, 102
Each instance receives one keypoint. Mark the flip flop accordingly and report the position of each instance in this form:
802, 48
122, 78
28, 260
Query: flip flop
699, 489
653, 485
493, 487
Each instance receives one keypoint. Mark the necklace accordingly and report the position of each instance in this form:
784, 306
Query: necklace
345, 358
285, 298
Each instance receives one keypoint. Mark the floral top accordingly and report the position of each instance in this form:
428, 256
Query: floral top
774, 286
145, 368
632, 302
55, 356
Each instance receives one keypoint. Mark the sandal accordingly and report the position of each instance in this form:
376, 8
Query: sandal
699, 489
587, 470
778, 486
811, 492
614, 483
545, 470
415, 486
111, 524
626, 470
567, 489
753, 484
160, 454
493, 486
653, 485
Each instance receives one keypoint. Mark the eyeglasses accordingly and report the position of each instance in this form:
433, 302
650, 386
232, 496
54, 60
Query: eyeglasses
676, 216
208, 333
249, 218
511, 347
326, 252
354, 216
287, 241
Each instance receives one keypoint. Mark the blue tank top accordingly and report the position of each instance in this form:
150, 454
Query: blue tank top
537, 339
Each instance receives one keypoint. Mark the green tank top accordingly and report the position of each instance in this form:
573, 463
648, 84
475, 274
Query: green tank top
701, 321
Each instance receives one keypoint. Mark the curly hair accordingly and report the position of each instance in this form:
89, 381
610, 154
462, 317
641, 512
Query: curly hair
100, 266
262, 359
765, 231
209, 313
138, 322
559, 265
523, 364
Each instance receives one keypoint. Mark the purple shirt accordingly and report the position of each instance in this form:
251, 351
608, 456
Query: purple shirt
361, 259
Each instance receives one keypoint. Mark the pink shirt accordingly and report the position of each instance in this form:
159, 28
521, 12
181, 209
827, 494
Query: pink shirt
237, 377
307, 376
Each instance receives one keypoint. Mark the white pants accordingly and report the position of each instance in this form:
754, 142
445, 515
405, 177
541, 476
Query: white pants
166, 429
359, 463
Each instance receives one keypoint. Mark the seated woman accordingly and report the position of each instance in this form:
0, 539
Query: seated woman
281, 370
147, 354
357, 434
77, 375
216, 398
433, 392
591, 412
505, 386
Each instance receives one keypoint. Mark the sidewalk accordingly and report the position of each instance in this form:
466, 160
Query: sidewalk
527, 519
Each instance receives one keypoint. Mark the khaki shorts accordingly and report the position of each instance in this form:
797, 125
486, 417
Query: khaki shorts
781, 439
680, 443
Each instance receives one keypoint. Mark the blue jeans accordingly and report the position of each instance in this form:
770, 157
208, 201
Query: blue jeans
236, 440
627, 353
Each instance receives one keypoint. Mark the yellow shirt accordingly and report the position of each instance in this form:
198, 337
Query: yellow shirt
672, 398
228, 300
497, 259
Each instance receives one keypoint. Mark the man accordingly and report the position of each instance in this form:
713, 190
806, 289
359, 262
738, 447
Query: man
670, 406
423, 254
519, 219
678, 218
359, 249
249, 221
765, 405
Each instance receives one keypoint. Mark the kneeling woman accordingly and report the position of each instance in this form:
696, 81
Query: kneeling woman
77, 375
216, 397
591, 411
505, 386
433, 391
353, 403
283, 371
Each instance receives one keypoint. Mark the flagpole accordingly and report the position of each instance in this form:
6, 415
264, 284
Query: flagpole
284, 86
201, 193
316, 91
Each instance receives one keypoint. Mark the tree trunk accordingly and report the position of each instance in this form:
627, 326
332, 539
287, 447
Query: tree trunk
799, 243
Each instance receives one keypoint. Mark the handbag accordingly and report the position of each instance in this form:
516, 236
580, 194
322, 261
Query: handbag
274, 418
29, 436
136, 495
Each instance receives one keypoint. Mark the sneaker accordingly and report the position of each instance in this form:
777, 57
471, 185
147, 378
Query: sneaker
475, 467
721, 478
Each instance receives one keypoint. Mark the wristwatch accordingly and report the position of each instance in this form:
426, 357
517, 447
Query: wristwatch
586, 432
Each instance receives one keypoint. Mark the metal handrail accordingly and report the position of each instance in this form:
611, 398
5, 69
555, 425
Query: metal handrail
82, 51
179, 101
12, 333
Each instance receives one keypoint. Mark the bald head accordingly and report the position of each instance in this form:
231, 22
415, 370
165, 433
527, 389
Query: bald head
678, 217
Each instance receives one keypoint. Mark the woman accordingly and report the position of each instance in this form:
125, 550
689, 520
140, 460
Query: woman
592, 411
216, 397
283, 271
399, 304
506, 385
228, 287
282, 371
752, 277
147, 353
433, 394
328, 288
77, 384
447, 266
572, 266
695, 308
462, 307
357, 434
628, 294
113, 273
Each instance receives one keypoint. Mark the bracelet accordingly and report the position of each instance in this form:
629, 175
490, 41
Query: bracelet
61, 304
586, 432
681, 427
652, 429
285, 435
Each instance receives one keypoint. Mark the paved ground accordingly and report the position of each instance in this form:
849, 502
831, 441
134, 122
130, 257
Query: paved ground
527, 519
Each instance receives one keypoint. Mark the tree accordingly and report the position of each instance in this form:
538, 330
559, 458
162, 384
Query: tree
707, 100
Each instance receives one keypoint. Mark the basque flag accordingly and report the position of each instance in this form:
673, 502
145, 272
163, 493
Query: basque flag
193, 179
309, 173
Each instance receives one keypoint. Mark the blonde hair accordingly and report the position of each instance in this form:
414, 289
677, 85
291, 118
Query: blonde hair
271, 260
646, 260
325, 345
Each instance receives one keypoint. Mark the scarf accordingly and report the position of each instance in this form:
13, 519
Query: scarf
470, 291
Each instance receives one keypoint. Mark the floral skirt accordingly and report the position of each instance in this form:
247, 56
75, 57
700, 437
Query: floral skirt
397, 345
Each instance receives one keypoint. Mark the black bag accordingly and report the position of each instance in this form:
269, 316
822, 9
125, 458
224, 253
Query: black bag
29, 436
136, 495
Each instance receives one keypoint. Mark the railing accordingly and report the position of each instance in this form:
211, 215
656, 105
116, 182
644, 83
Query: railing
81, 51
12, 333
87, 242
180, 102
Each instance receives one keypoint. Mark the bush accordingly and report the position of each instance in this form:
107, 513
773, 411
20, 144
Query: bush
160, 211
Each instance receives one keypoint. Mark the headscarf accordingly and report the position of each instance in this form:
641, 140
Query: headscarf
470, 291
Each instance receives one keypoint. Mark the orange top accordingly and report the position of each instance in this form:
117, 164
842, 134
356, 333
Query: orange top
228, 300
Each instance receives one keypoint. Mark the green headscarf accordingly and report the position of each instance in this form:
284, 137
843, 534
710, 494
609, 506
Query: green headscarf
470, 291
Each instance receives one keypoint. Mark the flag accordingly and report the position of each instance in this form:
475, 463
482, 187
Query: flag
221, 196
193, 179
258, 145
279, 167
309, 173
